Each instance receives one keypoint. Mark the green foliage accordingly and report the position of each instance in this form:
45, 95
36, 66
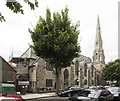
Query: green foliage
56, 39
16, 7
1, 17
111, 71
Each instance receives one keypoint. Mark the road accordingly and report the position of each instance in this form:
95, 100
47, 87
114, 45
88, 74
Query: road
50, 99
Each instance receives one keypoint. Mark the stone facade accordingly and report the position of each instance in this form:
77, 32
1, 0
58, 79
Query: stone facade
83, 72
80, 73
39, 74
67, 77
22, 67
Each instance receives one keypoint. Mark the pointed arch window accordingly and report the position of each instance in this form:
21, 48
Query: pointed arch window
48, 66
85, 70
85, 82
66, 75
92, 82
76, 67
92, 69
95, 78
98, 79
88, 77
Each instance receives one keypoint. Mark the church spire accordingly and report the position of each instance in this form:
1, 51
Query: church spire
98, 55
98, 23
98, 41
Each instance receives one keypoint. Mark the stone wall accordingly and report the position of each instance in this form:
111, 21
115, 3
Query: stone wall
71, 77
32, 78
21, 69
32, 74
42, 74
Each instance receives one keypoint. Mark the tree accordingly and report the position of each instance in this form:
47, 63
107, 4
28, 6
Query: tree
16, 7
111, 71
56, 40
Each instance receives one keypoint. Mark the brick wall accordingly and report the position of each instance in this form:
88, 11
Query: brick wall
8, 74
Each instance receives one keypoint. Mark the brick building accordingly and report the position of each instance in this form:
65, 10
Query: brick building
7, 72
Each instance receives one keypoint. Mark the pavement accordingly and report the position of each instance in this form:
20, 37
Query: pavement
41, 95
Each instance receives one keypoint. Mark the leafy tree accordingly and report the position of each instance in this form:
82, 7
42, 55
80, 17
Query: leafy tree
55, 40
16, 7
111, 71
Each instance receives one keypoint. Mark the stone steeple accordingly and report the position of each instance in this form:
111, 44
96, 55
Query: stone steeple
98, 55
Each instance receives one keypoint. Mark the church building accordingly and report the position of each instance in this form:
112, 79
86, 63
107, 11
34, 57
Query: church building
83, 72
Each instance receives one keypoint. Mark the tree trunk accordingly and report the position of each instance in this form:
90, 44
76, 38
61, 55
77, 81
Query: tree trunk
58, 71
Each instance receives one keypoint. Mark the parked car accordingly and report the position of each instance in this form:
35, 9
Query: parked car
92, 95
72, 88
96, 87
116, 92
100, 87
10, 97
107, 87
91, 87
69, 91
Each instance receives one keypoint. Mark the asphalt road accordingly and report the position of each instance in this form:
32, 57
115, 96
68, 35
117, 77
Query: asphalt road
50, 99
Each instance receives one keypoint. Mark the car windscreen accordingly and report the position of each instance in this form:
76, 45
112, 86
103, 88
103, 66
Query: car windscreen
91, 95
94, 94
114, 89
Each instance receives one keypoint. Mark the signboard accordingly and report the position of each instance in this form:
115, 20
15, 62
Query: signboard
23, 82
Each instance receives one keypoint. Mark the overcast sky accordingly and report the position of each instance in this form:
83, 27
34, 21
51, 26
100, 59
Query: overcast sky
14, 35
